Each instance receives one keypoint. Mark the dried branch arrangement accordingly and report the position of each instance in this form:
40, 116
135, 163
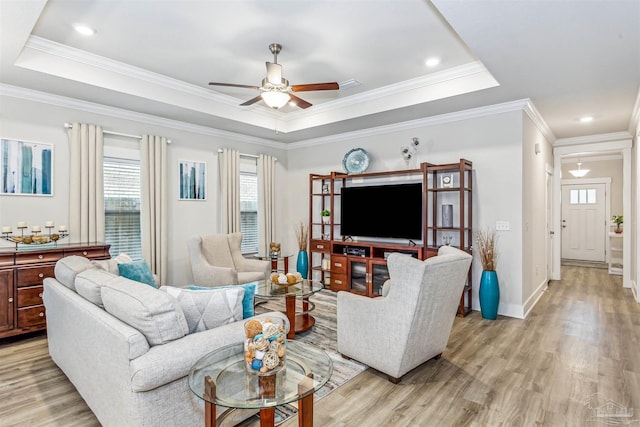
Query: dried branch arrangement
302, 235
487, 240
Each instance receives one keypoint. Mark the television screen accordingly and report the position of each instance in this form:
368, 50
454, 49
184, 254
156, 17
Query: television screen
390, 211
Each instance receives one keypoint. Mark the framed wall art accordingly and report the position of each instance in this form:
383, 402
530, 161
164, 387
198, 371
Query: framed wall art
193, 180
26, 168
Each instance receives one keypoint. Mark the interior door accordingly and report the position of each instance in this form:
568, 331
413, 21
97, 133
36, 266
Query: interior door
549, 226
583, 222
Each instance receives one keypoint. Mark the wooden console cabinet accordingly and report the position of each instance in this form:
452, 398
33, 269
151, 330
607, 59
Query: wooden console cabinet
21, 275
360, 267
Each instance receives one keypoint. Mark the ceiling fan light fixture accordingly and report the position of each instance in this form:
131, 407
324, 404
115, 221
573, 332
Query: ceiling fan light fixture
275, 99
579, 173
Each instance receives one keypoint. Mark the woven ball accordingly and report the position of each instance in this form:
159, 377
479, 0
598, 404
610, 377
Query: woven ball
275, 346
252, 328
269, 330
270, 360
262, 344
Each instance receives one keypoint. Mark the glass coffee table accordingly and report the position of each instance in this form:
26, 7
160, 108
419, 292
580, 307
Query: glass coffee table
221, 378
274, 261
299, 321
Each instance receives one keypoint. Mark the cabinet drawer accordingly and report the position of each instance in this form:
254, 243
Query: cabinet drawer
35, 256
98, 252
31, 316
320, 246
339, 282
338, 264
30, 296
29, 276
6, 259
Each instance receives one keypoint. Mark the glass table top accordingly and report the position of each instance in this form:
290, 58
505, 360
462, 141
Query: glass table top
264, 256
236, 387
268, 289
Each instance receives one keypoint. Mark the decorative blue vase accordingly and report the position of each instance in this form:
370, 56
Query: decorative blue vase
302, 266
489, 295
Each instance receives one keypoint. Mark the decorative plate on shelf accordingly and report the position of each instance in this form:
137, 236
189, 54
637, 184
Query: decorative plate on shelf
355, 161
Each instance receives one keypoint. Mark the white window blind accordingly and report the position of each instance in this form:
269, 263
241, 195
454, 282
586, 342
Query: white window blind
249, 212
122, 206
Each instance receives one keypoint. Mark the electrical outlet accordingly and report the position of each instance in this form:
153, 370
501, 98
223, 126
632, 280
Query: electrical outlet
503, 226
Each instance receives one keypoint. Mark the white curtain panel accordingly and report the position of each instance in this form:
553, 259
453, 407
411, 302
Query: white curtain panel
266, 201
86, 184
229, 161
153, 207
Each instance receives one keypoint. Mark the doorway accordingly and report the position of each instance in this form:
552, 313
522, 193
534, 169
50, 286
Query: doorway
584, 225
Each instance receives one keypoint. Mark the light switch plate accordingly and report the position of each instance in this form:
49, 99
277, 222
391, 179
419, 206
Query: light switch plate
503, 226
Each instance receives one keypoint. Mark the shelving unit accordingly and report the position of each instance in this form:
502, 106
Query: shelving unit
335, 262
614, 254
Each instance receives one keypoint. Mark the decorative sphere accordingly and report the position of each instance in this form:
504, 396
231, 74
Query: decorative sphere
256, 364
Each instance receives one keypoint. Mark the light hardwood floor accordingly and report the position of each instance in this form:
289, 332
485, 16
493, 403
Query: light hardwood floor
578, 348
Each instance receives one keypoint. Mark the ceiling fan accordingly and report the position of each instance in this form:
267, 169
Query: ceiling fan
276, 91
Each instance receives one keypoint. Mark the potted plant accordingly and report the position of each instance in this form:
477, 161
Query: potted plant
489, 292
617, 220
302, 236
326, 216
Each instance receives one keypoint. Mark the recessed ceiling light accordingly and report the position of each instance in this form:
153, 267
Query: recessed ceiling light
432, 62
586, 119
83, 29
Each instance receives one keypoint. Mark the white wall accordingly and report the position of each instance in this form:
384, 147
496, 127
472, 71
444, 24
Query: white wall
494, 145
33, 121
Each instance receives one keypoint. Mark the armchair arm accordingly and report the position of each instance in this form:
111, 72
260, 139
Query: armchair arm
244, 264
205, 274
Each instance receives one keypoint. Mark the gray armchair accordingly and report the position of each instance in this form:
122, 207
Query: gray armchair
411, 324
216, 260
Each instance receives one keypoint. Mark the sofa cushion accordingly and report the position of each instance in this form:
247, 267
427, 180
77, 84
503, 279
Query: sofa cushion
208, 308
68, 268
138, 271
154, 313
89, 282
111, 265
247, 300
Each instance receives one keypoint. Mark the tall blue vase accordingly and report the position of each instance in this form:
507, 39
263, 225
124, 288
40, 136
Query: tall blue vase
302, 266
489, 295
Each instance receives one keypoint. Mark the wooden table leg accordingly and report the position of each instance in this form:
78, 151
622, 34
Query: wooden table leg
267, 417
305, 404
286, 265
291, 315
209, 406
274, 265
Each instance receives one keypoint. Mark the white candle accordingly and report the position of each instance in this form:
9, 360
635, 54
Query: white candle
22, 224
48, 224
6, 229
35, 228
62, 228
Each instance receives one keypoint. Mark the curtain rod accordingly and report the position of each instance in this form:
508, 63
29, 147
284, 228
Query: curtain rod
108, 132
252, 156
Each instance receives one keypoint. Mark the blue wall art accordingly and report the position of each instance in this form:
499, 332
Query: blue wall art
193, 180
26, 168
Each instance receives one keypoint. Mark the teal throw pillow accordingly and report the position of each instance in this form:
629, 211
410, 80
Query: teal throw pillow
247, 300
138, 271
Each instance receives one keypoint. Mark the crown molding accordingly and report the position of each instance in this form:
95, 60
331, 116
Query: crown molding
532, 112
472, 113
571, 158
76, 104
592, 139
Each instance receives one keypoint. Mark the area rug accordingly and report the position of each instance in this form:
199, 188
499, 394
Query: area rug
323, 335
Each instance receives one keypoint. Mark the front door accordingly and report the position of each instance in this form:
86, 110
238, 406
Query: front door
583, 222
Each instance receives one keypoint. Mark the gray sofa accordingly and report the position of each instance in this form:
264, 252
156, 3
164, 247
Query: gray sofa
125, 380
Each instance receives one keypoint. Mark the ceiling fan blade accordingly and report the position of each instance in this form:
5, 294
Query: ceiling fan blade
299, 101
234, 85
251, 101
315, 86
274, 73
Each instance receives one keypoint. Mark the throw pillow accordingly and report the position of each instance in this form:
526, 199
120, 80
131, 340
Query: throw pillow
138, 271
111, 265
157, 315
208, 309
247, 300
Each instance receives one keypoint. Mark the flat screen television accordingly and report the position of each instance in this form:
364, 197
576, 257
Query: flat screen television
385, 211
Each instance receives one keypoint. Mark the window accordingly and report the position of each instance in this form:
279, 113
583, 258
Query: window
249, 211
122, 206
583, 197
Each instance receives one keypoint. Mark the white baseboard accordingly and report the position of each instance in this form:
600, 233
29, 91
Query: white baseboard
535, 297
634, 290
511, 310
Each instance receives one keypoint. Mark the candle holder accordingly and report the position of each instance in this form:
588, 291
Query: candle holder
36, 239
